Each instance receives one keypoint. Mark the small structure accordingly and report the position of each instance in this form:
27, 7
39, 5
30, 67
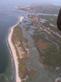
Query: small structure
58, 79
21, 18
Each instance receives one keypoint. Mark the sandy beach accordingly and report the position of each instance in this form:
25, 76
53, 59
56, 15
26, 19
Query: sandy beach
14, 54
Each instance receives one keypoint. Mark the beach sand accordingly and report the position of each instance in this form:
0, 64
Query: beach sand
14, 54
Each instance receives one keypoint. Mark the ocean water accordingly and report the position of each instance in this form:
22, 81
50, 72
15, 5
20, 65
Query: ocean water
8, 17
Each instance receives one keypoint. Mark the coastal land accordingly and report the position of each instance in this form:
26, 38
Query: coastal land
36, 41
18, 51
13, 50
14, 54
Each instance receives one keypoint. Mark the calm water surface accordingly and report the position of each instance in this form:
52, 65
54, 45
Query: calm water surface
8, 17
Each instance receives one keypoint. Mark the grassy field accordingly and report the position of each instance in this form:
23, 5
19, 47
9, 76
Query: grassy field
24, 71
17, 36
52, 55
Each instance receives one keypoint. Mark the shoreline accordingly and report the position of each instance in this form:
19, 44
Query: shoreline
13, 51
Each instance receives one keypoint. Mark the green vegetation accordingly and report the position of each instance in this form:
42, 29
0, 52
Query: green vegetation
17, 34
17, 37
27, 28
50, 19
39, 35
52, 54
23, 70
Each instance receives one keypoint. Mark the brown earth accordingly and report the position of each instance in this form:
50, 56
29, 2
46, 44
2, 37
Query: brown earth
41, 44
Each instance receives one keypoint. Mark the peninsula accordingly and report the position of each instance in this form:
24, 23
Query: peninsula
13, 50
